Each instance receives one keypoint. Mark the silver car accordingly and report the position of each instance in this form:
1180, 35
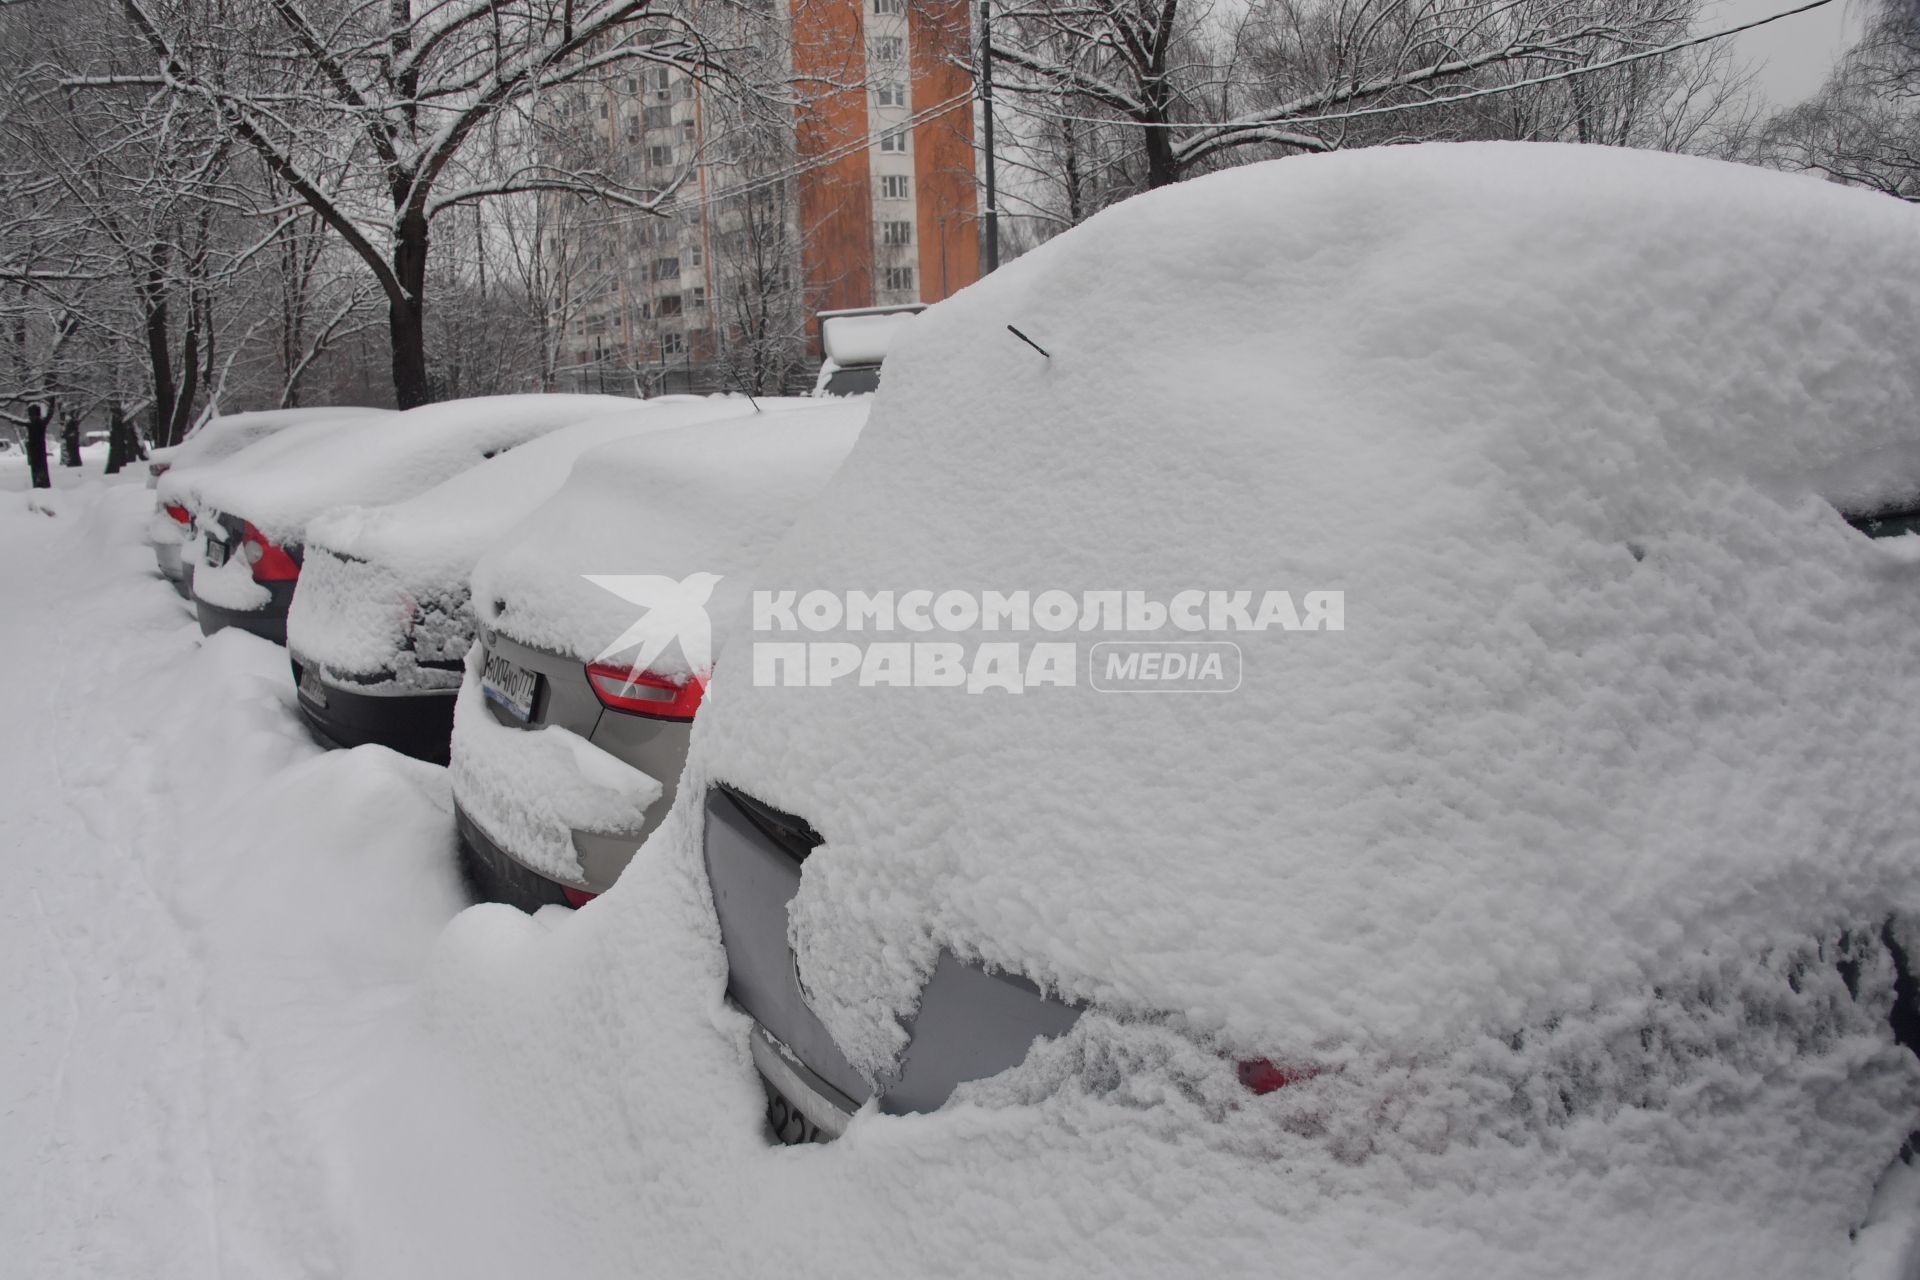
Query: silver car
567, 747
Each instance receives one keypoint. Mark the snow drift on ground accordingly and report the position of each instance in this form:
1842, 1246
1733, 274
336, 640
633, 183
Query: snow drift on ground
281, 483
710, 498
211, 931
372, 574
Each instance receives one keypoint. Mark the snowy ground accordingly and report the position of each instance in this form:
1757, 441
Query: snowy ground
243, 1040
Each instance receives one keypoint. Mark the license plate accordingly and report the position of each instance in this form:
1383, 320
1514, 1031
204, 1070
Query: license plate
310, 687
509, 685
216, 553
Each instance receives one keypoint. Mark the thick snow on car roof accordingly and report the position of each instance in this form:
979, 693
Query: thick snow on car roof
1610, 691
425, 547
229, 433
281, 483
709, 498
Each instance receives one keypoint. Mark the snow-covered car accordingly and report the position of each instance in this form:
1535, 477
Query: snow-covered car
251, 511
380, 624
854, 343
221, 437
597, 618
1553, 814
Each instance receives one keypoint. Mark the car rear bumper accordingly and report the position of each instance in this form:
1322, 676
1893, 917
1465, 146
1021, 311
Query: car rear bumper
417, 723
801, 1106
269, 623
499, 877
172, 564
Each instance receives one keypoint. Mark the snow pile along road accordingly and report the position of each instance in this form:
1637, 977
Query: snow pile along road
210, 929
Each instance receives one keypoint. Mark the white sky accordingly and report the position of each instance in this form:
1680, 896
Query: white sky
1793, 54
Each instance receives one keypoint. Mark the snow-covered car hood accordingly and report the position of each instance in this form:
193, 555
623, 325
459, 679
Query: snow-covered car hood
1610, 696
709, 499
281, 483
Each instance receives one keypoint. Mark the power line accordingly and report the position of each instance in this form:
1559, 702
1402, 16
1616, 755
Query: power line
1254, 123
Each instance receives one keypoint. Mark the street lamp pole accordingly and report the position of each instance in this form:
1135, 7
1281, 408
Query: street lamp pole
986, 105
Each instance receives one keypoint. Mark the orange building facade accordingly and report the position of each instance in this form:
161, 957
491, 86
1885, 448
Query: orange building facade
886, 201
870, 201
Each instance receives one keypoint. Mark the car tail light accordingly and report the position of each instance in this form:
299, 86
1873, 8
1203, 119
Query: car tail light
270, 563
179, 513
643, 693
577, 898
1262, 1075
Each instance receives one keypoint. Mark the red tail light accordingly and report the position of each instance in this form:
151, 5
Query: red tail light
642, 693
180, 514
577, 898
1261, 1075
270, 563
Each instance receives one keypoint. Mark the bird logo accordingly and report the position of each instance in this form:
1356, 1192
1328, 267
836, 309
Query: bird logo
676, 610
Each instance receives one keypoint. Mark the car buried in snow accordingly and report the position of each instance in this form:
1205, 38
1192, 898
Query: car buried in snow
855, 343
596, 619
251, 511
1589, 828
380, 624
171, 532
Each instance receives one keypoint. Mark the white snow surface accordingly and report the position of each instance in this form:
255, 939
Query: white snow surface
231, 586
862, 339
372, 572
531, 790
1614, 706
282, 483
710, 498
236, 1047
227, 434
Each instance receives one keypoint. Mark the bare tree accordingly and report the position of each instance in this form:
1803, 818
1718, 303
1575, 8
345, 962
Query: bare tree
1863, 126
365, 111
1109, 97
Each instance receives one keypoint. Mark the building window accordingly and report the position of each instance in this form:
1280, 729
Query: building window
672, 344
686, 131
894, 7
894, 186
894, 142
670, 305
899, 280
661, 78
633, 85
699, 295
666, 268
659, 117
696, 256
660, 157
896, 233
686, 88
890, 93
889, 49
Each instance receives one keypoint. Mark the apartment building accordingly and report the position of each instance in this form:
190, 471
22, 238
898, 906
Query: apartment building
866, 197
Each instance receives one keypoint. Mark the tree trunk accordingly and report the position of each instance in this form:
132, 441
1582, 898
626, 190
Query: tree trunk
121, 448
70, 439
160, 356
1161, 169
406, 320
38, 415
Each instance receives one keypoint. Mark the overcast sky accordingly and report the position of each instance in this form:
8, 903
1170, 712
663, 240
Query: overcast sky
1793, 54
